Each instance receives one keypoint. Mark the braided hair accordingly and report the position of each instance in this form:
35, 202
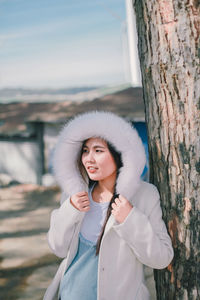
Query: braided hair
117, 158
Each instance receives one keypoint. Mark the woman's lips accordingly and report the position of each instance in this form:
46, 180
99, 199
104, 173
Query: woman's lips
91, 169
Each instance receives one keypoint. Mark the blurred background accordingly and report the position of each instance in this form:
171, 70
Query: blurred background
58, 59
63, 44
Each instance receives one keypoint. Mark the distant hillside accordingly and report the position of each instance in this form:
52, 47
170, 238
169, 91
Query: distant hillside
45, 95
8, 95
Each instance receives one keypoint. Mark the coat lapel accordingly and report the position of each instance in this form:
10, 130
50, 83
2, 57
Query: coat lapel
110, 223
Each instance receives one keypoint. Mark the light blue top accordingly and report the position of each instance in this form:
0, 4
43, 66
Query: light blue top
94, 219
80, 278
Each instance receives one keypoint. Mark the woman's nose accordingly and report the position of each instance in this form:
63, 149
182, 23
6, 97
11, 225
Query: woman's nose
90, 157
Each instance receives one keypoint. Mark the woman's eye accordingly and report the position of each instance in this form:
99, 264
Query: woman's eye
84, 151
98, 150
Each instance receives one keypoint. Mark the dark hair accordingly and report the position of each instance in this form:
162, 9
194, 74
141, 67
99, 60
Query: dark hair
117, 158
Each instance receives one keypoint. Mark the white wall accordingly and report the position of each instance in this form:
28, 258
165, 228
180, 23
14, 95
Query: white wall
50, 136
21, 160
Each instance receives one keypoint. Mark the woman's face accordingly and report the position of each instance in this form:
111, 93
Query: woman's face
97, 160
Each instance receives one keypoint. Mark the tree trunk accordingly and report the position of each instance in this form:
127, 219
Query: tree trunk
169, 50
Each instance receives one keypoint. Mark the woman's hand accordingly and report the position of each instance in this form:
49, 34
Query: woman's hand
80, 201
121, 208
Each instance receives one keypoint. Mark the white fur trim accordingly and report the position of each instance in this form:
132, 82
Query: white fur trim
110, 127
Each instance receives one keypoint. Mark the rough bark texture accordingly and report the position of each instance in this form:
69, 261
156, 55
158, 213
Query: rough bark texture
169, 50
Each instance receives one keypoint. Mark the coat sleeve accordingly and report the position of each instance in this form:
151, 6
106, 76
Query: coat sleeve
147, 236
63, 224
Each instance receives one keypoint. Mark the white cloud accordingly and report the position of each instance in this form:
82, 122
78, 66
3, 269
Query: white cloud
34, 30
80, 62
56, 54
58, 71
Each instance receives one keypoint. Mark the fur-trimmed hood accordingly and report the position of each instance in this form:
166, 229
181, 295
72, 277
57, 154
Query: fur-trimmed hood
111, 128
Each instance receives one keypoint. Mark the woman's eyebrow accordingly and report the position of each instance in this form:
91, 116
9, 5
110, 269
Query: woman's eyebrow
95, 146
98, 146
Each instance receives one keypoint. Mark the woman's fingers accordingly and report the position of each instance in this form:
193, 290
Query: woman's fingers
81, 201
86, 208
114, 206
121, 209
85, 204
117, 201
82, 194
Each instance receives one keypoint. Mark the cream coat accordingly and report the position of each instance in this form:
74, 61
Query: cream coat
142, 239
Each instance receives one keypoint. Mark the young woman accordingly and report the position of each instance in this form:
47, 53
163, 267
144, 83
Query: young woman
110, 224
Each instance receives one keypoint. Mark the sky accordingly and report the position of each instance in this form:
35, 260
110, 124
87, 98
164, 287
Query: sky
62, 43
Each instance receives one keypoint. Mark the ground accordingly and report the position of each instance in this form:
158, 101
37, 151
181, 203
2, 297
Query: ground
27, 264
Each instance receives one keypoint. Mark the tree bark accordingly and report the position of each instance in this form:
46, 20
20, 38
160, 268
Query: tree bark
169, 50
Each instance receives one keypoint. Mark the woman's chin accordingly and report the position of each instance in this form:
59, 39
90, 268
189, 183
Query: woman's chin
94, 178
